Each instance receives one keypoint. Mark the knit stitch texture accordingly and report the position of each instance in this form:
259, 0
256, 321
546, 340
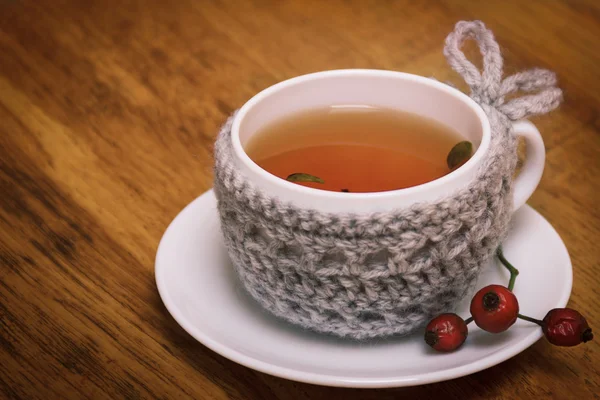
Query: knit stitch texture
380, 274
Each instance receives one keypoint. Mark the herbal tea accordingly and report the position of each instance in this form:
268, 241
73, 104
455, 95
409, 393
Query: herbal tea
358, 149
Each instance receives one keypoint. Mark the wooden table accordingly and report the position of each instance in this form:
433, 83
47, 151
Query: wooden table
108, 112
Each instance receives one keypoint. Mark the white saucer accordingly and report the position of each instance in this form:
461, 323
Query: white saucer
200, 289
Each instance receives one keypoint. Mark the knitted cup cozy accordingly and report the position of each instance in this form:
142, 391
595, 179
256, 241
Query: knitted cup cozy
378, 274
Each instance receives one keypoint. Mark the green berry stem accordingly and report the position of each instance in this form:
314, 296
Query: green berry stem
526, 318
513, 271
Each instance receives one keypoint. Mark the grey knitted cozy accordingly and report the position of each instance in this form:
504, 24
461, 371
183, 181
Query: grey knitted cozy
379, 274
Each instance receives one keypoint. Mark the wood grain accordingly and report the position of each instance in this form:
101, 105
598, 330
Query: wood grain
108, 112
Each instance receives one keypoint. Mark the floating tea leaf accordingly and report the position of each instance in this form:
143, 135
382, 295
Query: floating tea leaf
459, 154
301, 177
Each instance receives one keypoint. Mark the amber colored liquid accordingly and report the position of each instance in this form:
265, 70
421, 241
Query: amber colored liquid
358, 149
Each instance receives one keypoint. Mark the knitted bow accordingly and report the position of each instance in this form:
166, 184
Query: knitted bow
488, 87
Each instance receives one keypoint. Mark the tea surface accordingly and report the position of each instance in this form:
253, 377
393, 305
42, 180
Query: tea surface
355, 148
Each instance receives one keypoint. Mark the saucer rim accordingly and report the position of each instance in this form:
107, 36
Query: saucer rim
338, 380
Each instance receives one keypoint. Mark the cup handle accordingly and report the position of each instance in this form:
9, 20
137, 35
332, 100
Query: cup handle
533, 168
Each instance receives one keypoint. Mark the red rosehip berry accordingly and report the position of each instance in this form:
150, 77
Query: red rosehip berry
494, 308
566, 327
446, 332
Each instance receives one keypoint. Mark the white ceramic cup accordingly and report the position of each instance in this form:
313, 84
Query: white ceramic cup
378, 88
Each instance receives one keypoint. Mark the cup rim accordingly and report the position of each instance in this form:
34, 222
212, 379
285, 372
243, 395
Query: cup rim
456, 174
